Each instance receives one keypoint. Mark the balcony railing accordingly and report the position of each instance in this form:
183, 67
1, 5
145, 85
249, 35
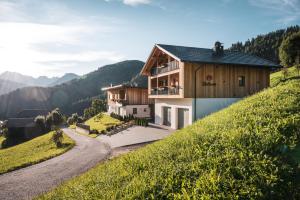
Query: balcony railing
163, 69
120, 101
165, 91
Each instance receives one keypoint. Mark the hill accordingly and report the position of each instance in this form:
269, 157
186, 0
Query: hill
7, 86
65, 78
72, 96
241, 152
265, 46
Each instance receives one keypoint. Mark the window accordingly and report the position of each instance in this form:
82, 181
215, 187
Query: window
241, 81
134, 110
145, 109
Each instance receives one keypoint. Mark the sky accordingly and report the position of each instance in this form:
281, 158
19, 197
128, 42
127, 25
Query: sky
54, 37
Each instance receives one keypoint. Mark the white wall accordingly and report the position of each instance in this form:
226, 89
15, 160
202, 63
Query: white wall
143, 111
174, 104
206, 106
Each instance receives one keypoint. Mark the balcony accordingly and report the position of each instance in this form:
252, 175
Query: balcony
124, 102
165, 91
165, 68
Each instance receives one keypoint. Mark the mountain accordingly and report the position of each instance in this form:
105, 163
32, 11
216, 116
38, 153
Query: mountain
265, 46
7, 86
18, 80
65, 78
73, 96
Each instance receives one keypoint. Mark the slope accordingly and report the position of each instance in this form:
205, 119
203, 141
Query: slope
241, 152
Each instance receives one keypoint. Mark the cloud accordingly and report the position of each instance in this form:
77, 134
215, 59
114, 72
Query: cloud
133, 2
136, 2
51, 38
287, 11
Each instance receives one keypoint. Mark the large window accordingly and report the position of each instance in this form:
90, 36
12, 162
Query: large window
241, 81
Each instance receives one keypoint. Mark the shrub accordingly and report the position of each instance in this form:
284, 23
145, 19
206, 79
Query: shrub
94, 131
57, 138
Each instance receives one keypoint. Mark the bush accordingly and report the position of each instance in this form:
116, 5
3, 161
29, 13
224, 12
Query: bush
94, 131
141, 122
57, 138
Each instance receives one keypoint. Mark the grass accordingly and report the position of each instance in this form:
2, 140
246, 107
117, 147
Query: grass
278, 77
1, 140
32, 152
236, 153
101, 122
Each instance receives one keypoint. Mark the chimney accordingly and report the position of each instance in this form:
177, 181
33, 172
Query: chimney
218, 49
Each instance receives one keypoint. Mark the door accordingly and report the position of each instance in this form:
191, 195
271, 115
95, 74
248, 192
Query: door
183, 117
167, 116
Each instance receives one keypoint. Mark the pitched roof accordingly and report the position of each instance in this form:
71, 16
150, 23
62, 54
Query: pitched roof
122, 86
31, 113
20, 122
202, 55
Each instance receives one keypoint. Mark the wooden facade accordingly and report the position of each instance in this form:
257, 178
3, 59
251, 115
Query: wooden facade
128, 96
210, 80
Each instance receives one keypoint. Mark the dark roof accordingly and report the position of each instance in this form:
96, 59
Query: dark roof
20, 122
121, 86
31, 113
202, 55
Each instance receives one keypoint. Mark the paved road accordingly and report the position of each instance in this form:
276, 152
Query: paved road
31, 181
136, 135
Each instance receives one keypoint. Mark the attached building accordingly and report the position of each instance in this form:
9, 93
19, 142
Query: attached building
127, 100
188, 83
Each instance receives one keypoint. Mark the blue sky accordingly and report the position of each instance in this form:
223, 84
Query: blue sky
58, 36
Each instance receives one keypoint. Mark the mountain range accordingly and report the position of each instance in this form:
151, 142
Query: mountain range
10, 81
75, 95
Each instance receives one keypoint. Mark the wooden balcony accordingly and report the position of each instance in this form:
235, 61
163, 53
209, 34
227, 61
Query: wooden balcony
124, 102
165, 91
171, 66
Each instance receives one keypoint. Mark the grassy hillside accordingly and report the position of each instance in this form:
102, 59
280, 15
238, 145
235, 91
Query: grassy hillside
242, 152
72, 96
278, 77
31, 152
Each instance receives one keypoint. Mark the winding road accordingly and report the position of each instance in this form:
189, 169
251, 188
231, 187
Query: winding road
34, 180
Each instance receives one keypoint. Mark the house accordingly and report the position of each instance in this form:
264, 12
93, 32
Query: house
23, 124
188, 83
127, 100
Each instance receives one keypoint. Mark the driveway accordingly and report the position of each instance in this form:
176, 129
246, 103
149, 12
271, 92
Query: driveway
31, 181
136, 135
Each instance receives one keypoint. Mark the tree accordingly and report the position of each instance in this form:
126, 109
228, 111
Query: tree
97, 106
54, 119
289, 51
41, 122
57, 117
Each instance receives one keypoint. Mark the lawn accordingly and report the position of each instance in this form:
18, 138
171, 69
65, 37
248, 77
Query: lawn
278, 76
32, 152
101, 122
236, 153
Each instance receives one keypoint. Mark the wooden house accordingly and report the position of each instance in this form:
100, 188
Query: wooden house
127, 100
188, 83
